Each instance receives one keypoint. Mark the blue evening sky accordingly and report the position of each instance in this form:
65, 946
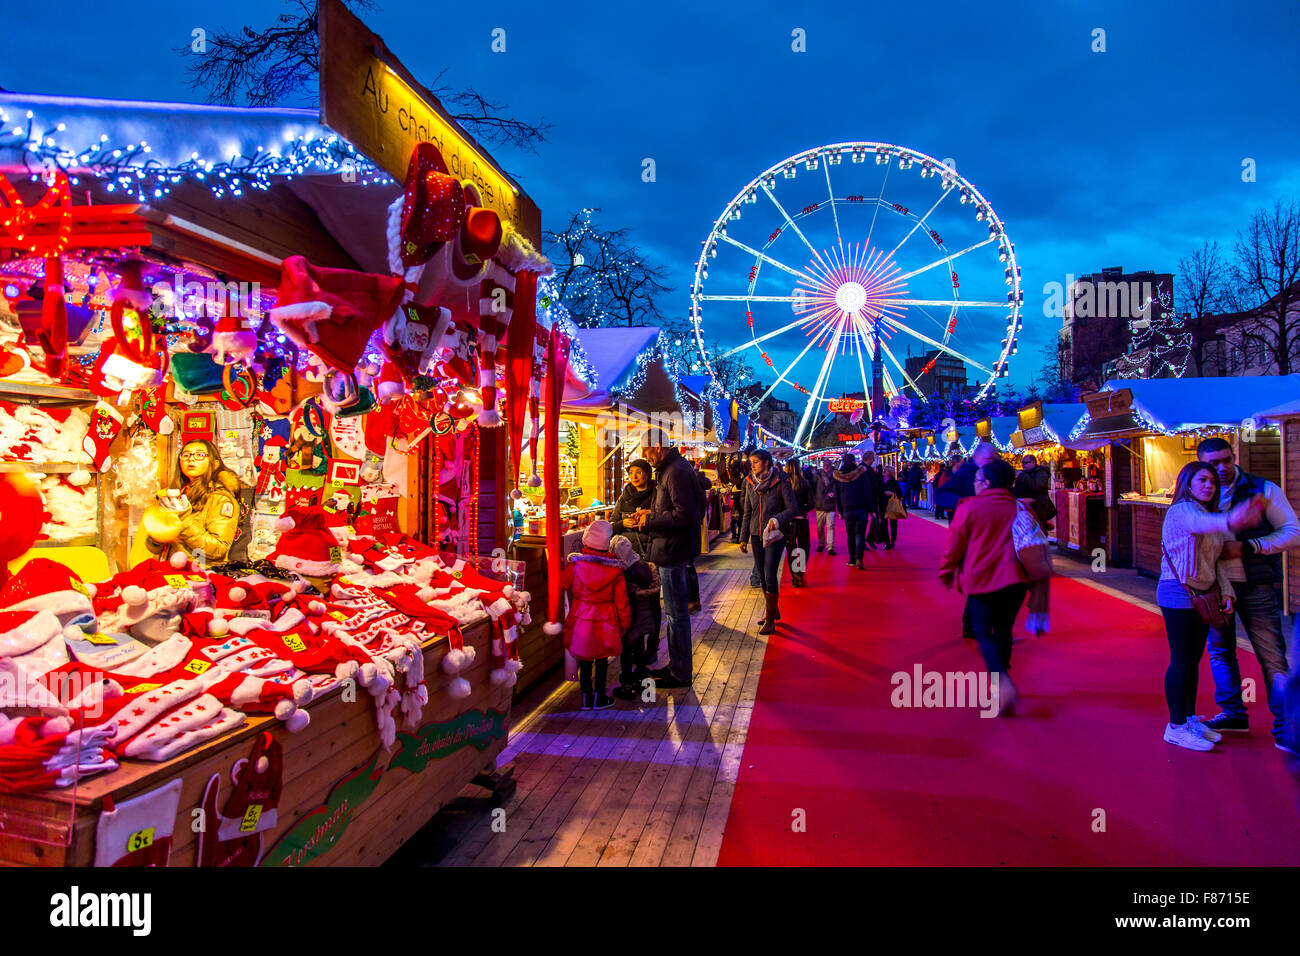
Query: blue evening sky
1128, 157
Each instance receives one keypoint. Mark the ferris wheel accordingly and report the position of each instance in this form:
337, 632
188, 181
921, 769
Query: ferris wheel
867, 262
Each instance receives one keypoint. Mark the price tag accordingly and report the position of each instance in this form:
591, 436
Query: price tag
139, 840
232, 435
336, 555
143, 688
198, 667
251, 816
294, 643
105, 639
175, 580
338, 615
79, 588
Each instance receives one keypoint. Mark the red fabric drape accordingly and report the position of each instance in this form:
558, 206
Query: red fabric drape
519, 364
557, 366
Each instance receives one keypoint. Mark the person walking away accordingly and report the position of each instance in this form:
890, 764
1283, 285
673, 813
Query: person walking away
1034, 484
980, 561
959, 487
824, 498
692, 576
599, 612
1191, 542
1253, 563
673, 523
876, 495
769, 508
638, 493
643, 595
854, 502
915, 479
940, 478
895, 499
799, 542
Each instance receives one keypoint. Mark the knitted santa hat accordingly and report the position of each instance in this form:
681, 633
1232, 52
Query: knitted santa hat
332, 312
42, 584
430, 210
312, 543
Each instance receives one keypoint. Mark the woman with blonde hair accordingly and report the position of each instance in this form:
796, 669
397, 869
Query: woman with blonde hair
213, 493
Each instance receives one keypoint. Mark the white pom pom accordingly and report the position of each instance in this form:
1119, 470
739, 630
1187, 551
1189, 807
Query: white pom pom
238, 594
297, 585
134, 596
285, 523
458, 688
514, 667
455, 661
285, 709
92, 589
553, 627
301, 691
297, 721
426, 594
57, 725
470, 654
346, 670
179, 560
368, 674
500, 675
218, 627
316, 607
508, 590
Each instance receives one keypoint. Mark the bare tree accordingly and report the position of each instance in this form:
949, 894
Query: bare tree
602, 277
1265, 285
278, 64
1201, 277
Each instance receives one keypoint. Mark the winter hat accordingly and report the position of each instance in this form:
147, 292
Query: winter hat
643, 465
623, 550
233, 340
433, 205
332, 312
42, 584
312, 543
598, 535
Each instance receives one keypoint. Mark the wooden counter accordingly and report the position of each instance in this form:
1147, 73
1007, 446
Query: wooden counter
383, 806
1080, 523
1148, 521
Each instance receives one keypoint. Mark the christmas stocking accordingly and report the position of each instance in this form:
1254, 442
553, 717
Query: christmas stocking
214, 852
252, 806
53, 336
138, 832
535, 401
153, 410
105, 423
496, 306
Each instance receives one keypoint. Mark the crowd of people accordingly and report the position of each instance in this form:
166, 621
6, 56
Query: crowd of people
1221, 544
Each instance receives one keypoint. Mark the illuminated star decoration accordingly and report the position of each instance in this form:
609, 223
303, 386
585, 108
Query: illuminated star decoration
851, 293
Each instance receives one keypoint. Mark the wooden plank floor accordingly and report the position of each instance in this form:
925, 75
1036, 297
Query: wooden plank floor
645, 784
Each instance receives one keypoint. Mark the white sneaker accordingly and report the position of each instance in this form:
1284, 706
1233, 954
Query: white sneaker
1183, 736
1195, 724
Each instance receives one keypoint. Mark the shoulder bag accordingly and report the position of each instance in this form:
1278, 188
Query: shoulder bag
1207, 604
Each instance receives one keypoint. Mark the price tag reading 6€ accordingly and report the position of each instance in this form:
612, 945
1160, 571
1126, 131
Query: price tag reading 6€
294, 643
139, 840
251, 816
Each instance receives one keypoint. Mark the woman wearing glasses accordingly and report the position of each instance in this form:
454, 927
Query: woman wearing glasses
213, 493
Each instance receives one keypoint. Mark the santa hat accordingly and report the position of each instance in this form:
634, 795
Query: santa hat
233, 340
412, 337
332, 312
432, 207
151, 588
45, 585
312, 543
461, 264
24, 631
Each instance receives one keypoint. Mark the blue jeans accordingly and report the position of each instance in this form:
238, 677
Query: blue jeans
672, 578
767, 562
1257, 606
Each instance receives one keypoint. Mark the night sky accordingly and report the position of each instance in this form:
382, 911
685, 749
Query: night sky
1129, 157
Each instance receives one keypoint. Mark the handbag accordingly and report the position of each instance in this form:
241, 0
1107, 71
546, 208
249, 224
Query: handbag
895, 510
773, 535
1207, 604
1032, 548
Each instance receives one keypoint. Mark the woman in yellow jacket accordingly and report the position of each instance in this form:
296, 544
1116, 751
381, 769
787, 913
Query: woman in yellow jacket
208, 525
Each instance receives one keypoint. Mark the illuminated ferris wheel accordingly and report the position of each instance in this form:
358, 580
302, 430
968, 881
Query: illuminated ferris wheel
853, 263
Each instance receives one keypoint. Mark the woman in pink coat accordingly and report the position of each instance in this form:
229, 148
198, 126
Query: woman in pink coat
599, 612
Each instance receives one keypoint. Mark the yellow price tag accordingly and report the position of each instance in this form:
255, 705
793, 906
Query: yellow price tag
338, 615
175, 580
101, 639
294, 643
143, 688
79, 588
197, 666
251, 816
139, 840
335, 555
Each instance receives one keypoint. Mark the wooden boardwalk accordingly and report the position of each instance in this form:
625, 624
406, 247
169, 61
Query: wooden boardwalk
644, 784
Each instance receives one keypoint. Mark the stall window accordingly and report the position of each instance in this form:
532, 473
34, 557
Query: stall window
1162, 458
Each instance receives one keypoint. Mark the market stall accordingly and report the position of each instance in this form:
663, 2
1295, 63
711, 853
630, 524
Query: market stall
264, 423
1287, 418
1077, 467
1151, 428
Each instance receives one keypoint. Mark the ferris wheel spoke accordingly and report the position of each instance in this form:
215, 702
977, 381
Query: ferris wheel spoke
764, 256
862, 367
879, 201
791, 223
948, 303
781, 378
815, 396
826, 168
889, 354
920, 222
946, 259
894, 323
751, 298
763, 338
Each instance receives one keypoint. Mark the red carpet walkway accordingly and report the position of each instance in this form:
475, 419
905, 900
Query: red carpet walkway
833, 774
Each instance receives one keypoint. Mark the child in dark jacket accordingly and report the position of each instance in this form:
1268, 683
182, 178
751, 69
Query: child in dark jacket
643, 594
599, 612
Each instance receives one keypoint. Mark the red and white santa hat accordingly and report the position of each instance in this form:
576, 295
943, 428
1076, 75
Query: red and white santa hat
313, 543
233, 340
332, 312
24, 631
42, 584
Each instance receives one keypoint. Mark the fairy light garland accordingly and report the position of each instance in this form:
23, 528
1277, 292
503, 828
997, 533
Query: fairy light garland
130, 168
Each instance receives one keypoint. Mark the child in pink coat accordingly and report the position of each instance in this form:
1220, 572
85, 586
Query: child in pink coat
599, 612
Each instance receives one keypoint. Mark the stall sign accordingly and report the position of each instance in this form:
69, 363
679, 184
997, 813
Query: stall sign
1035, 435
370, 99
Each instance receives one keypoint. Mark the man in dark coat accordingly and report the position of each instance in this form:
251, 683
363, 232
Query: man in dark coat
692, 576
1035, 483
673, 523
